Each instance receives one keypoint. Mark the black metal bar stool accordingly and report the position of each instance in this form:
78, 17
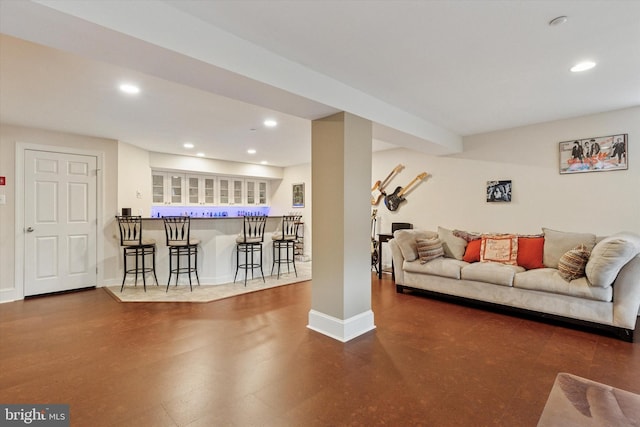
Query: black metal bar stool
284, 240
180, 244
249, 242
134, 246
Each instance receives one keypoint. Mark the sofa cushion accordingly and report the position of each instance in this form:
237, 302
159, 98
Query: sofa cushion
609, 256
429, 249
453, 246
472, 253
557, 243
499, 248
406, 240
549, 280
572, 263
445, 267
530, 252
491, 272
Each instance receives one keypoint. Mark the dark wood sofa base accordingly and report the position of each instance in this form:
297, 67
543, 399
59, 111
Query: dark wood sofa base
620, 333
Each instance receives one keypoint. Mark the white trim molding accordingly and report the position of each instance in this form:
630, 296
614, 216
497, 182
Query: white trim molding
341, 330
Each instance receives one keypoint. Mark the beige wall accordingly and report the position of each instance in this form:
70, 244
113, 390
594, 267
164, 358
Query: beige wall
134, 180
9, 137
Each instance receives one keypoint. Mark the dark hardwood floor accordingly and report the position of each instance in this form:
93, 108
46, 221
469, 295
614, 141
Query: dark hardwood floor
250, 360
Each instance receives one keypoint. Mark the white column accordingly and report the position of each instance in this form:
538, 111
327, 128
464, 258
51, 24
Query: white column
341, 212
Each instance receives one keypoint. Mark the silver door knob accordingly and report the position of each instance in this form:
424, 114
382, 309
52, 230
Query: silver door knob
30, 230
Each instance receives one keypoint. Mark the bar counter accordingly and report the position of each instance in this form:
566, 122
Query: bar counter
216, 254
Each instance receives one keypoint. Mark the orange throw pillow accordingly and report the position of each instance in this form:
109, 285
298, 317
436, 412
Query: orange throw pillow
472, 253
530, 251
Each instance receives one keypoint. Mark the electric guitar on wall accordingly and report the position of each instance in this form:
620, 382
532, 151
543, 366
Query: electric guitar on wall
393, 200
380, 186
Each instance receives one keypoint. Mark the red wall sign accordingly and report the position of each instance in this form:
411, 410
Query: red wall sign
3, 181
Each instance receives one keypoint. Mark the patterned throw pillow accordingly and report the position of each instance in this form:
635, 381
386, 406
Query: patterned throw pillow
466, 235
429, 249
572, 263
499, 248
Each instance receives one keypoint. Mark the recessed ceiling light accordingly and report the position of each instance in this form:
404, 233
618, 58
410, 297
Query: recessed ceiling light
187, 145
129, 88
583, 66
558, 21
270, 123
200, 154
251, 151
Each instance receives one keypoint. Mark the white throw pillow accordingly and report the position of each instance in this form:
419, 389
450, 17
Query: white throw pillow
609, 256
453, 246
557, 243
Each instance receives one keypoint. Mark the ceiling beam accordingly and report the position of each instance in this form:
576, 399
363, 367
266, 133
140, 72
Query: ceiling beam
155, 31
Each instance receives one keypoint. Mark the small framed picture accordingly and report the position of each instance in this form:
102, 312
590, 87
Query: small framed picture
499, 191
298, 195
597, 154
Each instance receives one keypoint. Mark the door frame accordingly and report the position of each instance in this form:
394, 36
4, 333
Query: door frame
19, 267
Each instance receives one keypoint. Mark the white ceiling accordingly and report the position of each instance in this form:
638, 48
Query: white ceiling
425, 72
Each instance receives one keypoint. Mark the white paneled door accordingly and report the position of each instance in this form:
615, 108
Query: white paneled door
60, 222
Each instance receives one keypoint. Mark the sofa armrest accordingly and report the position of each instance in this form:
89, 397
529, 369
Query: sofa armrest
626, 294
398, 261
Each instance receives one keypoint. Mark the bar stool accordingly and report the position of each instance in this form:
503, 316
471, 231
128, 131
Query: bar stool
285, 240
134, 246
180, 244
249, 242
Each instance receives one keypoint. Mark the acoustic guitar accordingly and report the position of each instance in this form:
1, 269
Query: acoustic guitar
380, 186
393, 200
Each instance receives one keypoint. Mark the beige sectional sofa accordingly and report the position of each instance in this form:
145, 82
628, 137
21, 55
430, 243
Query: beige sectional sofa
602, 291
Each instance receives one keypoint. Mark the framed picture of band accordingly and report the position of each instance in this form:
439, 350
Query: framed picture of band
597, 154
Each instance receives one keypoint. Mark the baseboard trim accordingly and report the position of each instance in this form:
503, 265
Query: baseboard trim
338, 329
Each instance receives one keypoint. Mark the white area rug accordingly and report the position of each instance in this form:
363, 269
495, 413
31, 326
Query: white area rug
207, 293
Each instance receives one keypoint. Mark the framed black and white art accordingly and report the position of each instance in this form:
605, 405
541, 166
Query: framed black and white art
499, 191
